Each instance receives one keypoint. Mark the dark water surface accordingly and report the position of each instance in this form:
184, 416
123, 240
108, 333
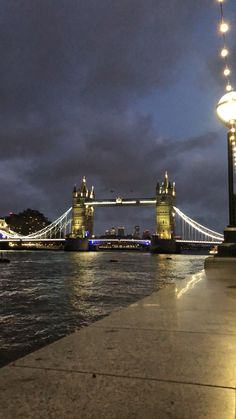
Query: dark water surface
46, 295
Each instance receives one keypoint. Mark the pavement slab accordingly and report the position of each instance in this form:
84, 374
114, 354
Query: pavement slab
56, 394
182, 356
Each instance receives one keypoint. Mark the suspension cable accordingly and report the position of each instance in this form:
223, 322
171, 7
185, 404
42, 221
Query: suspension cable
199, 227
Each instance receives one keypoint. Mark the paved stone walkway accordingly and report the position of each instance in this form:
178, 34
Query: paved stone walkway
171, 355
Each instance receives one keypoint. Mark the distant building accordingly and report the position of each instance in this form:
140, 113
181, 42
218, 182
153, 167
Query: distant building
112, 231
136, 233
27, 222
146, 235
120, 231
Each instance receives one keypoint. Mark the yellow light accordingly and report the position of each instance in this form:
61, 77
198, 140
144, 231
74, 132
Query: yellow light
224, 27
224, 52
226, 108
226, 71
228, 87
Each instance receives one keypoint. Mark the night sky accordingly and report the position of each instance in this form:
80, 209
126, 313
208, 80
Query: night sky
118, 91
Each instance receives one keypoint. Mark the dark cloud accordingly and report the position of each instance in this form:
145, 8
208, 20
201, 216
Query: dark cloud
129, 159
72, 75
96, 52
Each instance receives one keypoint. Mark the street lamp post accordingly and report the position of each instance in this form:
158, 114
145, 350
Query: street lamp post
231, 183
226, 111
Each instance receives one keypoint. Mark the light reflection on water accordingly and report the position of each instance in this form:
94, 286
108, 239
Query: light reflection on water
46, 295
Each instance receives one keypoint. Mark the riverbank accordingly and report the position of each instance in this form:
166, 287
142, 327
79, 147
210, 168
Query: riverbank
48, 295
171, 355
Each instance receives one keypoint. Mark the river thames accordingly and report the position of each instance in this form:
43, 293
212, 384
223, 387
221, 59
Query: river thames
48, 294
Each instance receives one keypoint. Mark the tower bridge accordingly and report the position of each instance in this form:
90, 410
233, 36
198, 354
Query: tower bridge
75, 227
164, 239
84, 204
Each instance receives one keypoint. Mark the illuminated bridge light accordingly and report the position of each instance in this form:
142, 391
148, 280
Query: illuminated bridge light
117, 240
97, 203
121, 202
54, 230
128, 202
206, 232
148, 201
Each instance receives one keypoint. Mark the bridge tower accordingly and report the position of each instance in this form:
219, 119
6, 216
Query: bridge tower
82, 214
163, 241
165, 200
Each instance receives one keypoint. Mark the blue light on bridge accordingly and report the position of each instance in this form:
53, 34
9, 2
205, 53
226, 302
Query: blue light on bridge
100, 241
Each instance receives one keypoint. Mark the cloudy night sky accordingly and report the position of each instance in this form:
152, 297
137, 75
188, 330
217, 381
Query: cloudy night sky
118, 91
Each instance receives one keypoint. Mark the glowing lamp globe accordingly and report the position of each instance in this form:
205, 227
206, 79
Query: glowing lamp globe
226, 108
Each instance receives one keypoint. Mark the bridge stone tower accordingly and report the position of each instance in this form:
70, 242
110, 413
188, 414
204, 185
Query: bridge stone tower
82, 214
163, 241
165, 200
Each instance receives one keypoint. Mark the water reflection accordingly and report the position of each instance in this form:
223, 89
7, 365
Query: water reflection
191, 282
45, 295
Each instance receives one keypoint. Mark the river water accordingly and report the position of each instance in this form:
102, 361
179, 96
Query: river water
45, 294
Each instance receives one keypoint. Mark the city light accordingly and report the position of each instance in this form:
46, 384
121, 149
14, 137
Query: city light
224, 27
226, 71
226, 111
226, 108
224, 52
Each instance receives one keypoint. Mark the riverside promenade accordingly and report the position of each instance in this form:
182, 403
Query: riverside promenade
170, 355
